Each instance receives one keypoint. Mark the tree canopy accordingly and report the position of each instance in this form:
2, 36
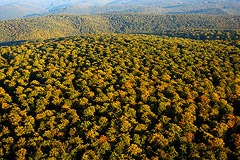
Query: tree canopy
118, 96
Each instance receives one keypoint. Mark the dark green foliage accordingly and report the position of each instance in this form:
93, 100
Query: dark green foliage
113, 96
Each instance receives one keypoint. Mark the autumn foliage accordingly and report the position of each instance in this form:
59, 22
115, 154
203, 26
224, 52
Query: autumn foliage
114, 96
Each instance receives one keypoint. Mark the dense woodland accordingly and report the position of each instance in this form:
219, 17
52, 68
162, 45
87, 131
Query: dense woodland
55, 26
118, 96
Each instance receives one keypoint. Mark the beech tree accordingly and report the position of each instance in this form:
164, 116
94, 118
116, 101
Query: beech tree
116, 96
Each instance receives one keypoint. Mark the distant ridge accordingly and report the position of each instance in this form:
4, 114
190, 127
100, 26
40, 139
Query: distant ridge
210, 11
13, 11
26, 8
54, 26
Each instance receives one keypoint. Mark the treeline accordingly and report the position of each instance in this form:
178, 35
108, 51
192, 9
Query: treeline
115, 96
54, 26
203, 34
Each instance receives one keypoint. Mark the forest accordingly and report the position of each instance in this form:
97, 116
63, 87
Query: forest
122, 96
56, 26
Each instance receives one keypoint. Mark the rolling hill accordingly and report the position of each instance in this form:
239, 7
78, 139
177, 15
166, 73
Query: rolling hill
12, 9
120, 85
54, 26
120, 96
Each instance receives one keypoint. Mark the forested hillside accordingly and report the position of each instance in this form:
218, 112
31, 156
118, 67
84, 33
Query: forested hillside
67, 25
113, 96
